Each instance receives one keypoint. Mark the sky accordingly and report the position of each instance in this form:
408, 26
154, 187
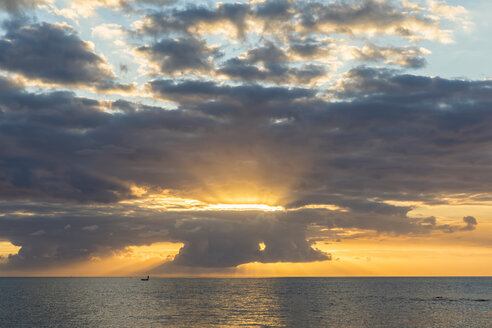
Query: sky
245, 138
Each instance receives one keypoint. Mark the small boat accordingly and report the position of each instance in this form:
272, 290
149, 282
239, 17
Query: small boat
145, 279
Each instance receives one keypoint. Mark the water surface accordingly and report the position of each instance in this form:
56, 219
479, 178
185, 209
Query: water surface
276, 302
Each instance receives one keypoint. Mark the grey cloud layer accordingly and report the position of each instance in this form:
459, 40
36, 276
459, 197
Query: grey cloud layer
67, 234
409, 122
54, 54
400, 137
211, 239
273, 67
300, 40
180, 56
379, 135
334, 17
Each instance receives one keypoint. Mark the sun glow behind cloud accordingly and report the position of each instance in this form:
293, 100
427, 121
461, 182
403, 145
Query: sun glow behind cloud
244, 207
168, 202
7, 248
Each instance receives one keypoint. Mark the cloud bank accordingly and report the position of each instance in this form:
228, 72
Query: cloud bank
250, 105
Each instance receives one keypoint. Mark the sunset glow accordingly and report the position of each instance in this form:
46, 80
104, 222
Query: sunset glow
6, 248
245, 138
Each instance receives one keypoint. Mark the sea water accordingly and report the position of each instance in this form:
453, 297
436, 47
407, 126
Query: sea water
269, 302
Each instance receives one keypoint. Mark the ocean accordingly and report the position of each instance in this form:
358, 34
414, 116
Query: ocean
238, 302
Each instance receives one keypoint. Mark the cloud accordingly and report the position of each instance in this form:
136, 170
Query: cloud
471, 223
359, 17
198, 20
181, 55
303, 43
221, 243
386, 137
269, 63
457, 14
72, 161
371, 17
88, 8
309, 48
251, 123
406, 57
66, 233
241, 70
112, 32
54, 53
196, 91
26, 117
385, 85
211, 239
18, 6
93, 227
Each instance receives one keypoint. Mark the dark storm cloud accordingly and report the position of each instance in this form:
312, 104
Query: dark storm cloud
58, 145
56, 240
49, 124
54, 54
408, 121
60, 234
177, 56
211, 239
419, 134
222, 243
387, 137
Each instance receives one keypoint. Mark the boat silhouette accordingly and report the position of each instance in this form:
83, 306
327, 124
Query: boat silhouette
145, 279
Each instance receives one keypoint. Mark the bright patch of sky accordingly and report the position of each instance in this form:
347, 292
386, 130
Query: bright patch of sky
469, 56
